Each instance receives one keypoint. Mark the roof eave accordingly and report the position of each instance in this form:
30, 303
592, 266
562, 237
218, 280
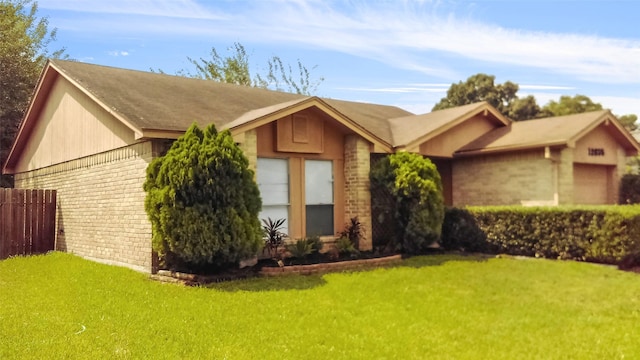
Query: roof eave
148, 134
520, 147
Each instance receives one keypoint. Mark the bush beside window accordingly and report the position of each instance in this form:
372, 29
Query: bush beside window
202, 202
418, 210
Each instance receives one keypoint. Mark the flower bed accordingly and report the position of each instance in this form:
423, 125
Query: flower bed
318, 268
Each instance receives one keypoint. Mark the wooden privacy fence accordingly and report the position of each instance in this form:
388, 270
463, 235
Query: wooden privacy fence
27, 221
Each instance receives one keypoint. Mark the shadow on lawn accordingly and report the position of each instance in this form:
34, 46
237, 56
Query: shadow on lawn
292, 282
306, 282
440, 259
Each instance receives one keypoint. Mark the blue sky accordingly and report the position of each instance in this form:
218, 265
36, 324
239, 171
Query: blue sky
402, 53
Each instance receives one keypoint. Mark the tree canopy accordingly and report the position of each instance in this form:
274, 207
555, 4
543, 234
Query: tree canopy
235, 68
568, 105
24, 49
482, 87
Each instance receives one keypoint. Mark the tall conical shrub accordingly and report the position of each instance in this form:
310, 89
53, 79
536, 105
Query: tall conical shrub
418, 207
202, 201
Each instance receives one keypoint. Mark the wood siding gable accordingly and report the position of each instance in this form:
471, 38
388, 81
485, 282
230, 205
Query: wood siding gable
69, 125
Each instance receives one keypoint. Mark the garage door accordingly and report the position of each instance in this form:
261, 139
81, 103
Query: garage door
591, 184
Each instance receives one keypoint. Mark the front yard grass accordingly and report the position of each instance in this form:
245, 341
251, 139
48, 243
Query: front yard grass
59, 306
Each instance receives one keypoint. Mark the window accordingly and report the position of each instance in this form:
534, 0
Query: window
319, 197
273, 182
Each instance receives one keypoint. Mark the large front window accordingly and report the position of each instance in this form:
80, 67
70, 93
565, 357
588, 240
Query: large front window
319, 197
273, 182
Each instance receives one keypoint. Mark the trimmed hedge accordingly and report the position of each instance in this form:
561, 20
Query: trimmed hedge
603, 234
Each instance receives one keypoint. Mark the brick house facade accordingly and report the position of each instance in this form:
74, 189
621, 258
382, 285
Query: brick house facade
91, 131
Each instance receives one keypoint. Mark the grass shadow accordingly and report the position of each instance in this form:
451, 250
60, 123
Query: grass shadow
306, 282
442, 258
280, 283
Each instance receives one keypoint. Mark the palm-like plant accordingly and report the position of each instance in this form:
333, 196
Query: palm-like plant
274, 237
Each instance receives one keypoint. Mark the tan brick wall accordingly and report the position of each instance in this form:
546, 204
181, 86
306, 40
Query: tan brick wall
565, 177
502, 179
249, 147
357, 193
100, 210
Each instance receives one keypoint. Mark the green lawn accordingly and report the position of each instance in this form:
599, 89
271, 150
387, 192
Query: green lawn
59, 306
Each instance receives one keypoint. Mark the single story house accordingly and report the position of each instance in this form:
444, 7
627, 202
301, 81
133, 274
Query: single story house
91, 131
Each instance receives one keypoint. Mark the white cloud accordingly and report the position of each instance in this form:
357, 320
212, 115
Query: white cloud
118, 53
415, 35
396, 89
619, 105
187, 9
422, 36
544, 87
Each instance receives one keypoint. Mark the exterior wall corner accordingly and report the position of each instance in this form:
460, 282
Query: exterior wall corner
357, 192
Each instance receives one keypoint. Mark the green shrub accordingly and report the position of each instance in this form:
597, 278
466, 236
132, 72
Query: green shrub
202, 201
461, 232
630, 261
273, 235
344, 246
300, 248
418, 209
316, 244
604, 234
630, 189
353, 231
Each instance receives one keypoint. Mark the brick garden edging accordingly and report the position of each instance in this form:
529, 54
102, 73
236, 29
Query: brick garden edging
195, 279
175, 277
331, 267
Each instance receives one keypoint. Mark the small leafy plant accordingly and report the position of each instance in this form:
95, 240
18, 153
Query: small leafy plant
300, 248
274, 237
353, 231
316, 244
345, 246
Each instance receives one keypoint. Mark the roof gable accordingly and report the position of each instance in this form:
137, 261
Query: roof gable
410, 131
553, 131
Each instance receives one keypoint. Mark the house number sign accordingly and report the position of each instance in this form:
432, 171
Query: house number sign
596, 152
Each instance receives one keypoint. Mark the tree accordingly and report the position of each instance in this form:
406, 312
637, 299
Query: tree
523, 109
202, 202
418, 207
232, 69
24, 49
568, 105
235, 69
629, 121
480, 87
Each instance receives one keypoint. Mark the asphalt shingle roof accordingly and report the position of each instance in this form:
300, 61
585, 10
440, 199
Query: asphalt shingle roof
152, 101
531, 133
